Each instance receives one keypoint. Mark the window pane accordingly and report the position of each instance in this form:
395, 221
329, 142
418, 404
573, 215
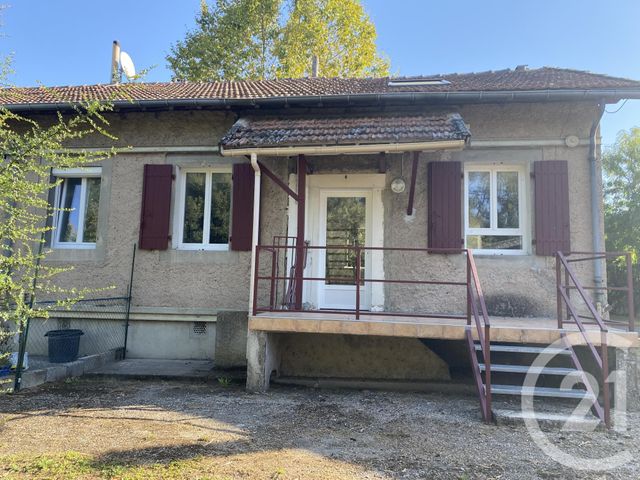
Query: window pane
220, 208
68, 223
194, 208
494, 242
92, 199
479, 190
508, 212
346, 220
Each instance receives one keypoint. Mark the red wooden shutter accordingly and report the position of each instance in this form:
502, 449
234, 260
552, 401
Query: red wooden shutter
444, 193
156, 207
242, 217
553, 232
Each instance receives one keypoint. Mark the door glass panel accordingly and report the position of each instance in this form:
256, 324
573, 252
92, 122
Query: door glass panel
479, 199
194, 208
346, 225
71, 210
508, 200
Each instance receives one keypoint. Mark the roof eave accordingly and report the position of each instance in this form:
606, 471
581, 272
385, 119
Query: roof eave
400, 98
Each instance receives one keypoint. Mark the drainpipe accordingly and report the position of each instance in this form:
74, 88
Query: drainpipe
596, 198
256, 225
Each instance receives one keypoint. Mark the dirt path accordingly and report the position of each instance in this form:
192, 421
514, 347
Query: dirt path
142, 429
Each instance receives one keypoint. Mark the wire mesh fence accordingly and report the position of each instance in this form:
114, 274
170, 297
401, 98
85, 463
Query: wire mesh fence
103, 323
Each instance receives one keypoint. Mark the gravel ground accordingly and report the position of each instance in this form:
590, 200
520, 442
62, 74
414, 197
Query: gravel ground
289, 433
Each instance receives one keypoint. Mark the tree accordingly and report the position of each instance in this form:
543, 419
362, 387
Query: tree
338, 32
31, 150
233, 40
621, 165
260, 39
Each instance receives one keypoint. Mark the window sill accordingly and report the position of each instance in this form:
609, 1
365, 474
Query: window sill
74, 246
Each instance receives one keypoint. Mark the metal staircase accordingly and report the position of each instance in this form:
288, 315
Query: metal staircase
560, 363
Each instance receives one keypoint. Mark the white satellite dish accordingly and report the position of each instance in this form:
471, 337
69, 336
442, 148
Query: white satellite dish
126, 64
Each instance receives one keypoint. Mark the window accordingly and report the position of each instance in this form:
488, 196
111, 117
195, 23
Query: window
204, 209
77, 200
495, 209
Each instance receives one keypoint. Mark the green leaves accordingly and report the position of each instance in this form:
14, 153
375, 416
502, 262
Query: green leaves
31, 150
261, 39
621, 164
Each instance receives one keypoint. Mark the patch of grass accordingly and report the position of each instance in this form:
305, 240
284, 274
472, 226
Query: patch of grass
73, 465
224, 381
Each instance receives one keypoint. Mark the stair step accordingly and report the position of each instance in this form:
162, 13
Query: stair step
523, 349
525, 369
540, 391
566, 421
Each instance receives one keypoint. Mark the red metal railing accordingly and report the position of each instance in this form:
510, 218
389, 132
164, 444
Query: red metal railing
475, 314
477, 311
592, 317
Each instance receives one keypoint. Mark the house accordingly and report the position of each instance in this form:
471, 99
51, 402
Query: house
372, 228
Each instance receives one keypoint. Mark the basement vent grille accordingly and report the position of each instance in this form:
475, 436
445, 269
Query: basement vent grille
199, 328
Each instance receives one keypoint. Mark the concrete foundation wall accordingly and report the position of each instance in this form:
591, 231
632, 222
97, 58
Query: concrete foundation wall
180, 340
350, 356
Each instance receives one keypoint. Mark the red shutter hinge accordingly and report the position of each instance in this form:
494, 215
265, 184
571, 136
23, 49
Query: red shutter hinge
173, 176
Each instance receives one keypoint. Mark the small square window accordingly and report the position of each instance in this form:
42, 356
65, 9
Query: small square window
75, 223
204, 209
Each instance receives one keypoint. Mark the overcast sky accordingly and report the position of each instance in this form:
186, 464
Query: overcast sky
68, 42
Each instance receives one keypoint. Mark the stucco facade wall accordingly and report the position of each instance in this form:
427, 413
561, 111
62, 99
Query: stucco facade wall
220, 280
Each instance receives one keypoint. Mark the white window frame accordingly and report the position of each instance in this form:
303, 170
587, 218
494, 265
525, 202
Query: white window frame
178, 224
83, 173
523, 200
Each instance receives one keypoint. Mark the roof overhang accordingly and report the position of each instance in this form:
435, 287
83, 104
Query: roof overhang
362, 99
368, 148
345, 134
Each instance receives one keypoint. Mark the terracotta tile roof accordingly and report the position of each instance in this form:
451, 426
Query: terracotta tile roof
341, 130
545, 78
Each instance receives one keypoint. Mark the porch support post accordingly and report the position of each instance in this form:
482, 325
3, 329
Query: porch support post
299, 267
412, 188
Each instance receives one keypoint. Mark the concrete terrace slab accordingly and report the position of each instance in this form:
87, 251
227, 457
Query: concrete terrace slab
143, 368
512, 330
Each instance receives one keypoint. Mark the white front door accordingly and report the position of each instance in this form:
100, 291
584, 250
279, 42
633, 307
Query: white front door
340, 210
344, 221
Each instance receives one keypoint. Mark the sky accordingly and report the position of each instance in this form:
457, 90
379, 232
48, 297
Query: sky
68, 42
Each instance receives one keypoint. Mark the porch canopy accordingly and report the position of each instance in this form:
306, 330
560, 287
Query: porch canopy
334, 135
330, 135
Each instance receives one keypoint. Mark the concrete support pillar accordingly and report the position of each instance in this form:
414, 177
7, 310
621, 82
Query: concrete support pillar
627, 364
262, 359
231, 339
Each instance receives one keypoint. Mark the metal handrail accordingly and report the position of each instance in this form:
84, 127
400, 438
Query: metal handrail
602, 358
274, 277
476, 309
483, 327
